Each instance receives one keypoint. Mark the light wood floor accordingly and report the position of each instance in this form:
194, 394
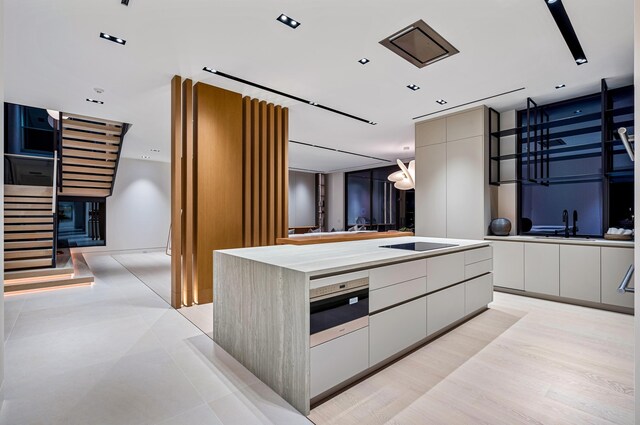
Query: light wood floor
524, 361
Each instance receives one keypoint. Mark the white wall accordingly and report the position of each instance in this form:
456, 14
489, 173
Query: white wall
139, 211
2, 203
335, 201
302, 199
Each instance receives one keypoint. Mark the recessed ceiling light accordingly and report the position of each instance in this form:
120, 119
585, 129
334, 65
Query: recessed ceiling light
125, 2
581, 61
313, 104
116, 40
364, 61
373, 123
155, 150
441, 102
211, 70
560, 86
578, 111
406, 148
288, 21
413, 87
95, 101
145, 157
98, 90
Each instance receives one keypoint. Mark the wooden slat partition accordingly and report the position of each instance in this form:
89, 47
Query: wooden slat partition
90, 151
28, 227
229, 181
176, 192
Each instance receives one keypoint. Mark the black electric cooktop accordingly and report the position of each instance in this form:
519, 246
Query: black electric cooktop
418, 246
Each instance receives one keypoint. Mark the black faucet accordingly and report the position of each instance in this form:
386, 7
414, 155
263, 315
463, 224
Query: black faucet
575, 222
565, 221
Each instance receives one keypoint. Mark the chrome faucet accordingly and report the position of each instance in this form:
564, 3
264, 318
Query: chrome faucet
565, 221
575, 222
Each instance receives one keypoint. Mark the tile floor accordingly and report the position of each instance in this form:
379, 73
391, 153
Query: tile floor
116, 353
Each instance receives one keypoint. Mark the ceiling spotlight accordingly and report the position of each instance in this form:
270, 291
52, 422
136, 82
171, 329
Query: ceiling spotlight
99, 102
313, 104
145, 157
578, 111
211, 70
441, 102
154, 150
288, 21
364, 61
116, 40
413, 87
560, 86
581, 61
98, 90
373, 123
406, 148
125, 2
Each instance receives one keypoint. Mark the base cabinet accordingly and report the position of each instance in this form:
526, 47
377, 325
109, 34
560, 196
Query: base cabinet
542, 268
478, 293
508, 264
444, 308
337, 360
614, 265
393, 330
580, 272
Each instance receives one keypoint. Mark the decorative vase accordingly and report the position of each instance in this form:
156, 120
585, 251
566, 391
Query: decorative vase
500, 226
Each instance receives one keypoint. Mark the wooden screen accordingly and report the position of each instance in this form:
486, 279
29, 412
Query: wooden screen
229, 180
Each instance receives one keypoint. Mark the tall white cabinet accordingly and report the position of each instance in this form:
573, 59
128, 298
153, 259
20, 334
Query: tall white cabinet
452, 190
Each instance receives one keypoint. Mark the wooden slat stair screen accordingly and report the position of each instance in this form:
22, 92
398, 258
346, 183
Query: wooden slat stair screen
265, 181
28, 227
90, 151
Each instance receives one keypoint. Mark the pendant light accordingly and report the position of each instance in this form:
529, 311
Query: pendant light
405, 179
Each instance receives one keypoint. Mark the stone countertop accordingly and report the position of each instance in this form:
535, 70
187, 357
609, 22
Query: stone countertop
564, 241
331, 258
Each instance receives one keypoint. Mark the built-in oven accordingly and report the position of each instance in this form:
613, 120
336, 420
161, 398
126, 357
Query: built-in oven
338, 308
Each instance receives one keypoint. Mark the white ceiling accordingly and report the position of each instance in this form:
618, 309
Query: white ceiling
54, 58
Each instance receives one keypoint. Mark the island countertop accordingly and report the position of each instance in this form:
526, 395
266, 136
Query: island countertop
330, 258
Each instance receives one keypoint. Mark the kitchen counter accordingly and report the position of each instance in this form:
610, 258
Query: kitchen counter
563, 241
262, 307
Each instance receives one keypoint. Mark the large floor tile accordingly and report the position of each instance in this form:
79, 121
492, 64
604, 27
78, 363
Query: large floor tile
201, 415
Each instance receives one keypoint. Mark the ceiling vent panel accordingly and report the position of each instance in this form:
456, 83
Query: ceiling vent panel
419, 44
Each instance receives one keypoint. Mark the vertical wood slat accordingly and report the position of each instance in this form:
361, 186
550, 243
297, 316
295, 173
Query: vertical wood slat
279, 183
188, 192
285, 167
176, 192
247, 207
263, 173
271, 188
255, 170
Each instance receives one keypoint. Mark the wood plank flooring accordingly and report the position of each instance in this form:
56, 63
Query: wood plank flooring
524, 361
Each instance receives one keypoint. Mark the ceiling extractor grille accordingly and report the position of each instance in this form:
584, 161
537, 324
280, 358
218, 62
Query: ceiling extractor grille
419, 44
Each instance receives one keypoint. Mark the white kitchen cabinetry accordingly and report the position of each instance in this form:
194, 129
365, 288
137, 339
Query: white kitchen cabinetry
444, 270
444, 308
431, 182
337, 360
452, 192
615, 262
478, 293
580, 272
542, 268
508, 264
390, 275
395, 294
393, 330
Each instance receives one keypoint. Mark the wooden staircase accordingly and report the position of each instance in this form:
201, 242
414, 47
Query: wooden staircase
90, 151
28, 227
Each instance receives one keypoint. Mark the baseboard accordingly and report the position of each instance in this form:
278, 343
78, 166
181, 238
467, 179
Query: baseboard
93, 250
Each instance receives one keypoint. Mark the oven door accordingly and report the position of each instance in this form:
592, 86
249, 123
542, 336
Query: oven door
338, 314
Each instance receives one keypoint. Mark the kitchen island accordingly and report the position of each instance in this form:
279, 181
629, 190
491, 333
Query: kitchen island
308, 320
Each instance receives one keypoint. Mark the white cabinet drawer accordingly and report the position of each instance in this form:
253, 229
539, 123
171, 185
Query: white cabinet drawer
390, 275
580, 272
476, 269
396, 329
478, 293
444, 270
337, 360
615, 262
477, 255
444, 308
395, 294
